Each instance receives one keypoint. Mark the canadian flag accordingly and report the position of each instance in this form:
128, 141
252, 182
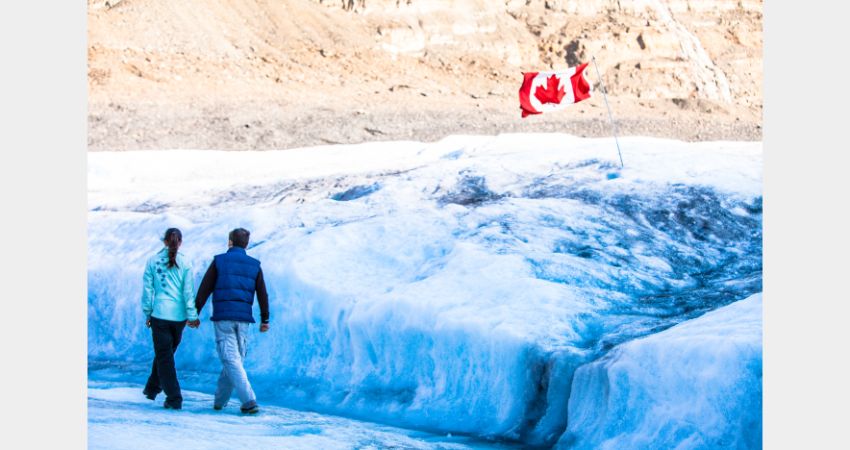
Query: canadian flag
550, 91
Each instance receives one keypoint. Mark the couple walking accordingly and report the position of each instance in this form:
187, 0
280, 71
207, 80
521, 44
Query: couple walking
169, 305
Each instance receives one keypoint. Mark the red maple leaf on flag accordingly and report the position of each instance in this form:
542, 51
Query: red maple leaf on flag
551, 93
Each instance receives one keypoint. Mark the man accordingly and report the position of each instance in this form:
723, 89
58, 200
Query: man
233, 278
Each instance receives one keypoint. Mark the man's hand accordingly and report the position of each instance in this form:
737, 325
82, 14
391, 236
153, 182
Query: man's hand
148, 323
264, 327
194, 323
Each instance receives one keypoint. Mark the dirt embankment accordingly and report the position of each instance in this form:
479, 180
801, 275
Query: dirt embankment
260, 74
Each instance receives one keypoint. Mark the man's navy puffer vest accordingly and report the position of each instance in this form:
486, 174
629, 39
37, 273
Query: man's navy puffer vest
235, 285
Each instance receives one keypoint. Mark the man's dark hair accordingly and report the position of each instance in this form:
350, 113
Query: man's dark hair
239, 237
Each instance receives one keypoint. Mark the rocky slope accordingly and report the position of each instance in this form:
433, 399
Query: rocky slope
268, 74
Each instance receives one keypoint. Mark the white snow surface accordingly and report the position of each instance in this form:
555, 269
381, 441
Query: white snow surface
120, 418
452, 286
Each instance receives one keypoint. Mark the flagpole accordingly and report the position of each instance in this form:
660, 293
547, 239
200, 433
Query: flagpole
610, 116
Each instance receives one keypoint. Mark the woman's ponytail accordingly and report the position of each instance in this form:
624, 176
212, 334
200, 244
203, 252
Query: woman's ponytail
173, 239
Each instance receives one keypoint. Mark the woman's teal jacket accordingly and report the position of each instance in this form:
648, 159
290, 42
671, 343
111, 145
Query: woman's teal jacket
168, 293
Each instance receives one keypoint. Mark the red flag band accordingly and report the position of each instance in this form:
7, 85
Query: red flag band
550, 91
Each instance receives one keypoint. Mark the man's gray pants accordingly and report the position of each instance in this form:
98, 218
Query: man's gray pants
231, 341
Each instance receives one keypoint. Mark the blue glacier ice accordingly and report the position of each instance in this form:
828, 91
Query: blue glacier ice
472, 286
695, 385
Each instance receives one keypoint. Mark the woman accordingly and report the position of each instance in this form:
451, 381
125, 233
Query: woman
168, 304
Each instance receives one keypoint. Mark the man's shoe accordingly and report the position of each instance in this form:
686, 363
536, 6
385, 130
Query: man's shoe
167, 405
217, 408
250, 410
149, 395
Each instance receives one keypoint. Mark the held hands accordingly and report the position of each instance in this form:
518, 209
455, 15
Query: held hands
264, 327
194, 323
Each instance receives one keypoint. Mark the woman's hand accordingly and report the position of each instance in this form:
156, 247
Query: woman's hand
194, 323
148, 323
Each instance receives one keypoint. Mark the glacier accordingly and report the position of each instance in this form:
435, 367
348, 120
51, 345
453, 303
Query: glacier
479, 285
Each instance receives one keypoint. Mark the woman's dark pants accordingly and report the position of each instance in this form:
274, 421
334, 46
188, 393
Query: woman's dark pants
166, 338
